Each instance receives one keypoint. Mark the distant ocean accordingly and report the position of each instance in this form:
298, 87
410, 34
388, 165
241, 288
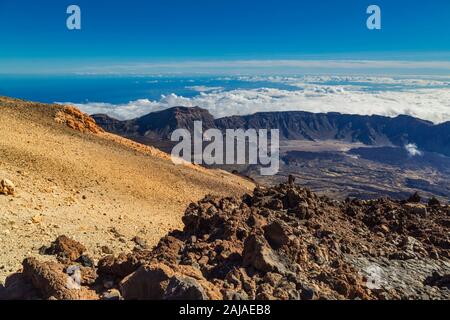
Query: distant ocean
119, 89
126, 97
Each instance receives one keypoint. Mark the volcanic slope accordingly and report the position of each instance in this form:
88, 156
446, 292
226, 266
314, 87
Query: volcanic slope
70, 177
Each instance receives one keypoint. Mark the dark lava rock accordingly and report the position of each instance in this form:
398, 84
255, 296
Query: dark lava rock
258, 254
183, 288
85, 261
433, 202
415, 198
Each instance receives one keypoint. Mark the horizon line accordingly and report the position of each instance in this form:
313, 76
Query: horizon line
235, 67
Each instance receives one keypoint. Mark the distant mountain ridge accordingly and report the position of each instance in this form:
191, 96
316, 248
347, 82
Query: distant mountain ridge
155, 128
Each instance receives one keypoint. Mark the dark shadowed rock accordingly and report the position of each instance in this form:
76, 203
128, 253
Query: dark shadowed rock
147, 283
156, 282
276, 234
85, 261
415, 198
438, 280
433, 202
258, 254
184, 288
18, 287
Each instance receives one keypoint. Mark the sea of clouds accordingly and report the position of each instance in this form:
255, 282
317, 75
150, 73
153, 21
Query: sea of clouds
428, 99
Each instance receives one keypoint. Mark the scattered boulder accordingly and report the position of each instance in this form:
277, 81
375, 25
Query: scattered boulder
107, 250
120, 266
37, 219
18, 287
184, 288
65, 249
142, 244
307, 293
159, 281
85, 261
147, 283
7, 187
258, 254
276, 234
51, 281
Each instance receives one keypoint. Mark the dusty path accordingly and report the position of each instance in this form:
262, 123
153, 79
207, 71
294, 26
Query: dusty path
99, 189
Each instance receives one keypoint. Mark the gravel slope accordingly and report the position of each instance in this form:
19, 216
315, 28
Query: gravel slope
95, 187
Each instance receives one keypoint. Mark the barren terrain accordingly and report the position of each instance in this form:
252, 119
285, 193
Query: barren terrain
342, 169
72, 178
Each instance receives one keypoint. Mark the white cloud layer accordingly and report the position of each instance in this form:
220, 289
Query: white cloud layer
403, 82
426, 103
204, 88
420, 97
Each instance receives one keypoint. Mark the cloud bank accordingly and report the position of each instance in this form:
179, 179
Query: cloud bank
431, 104
204, 88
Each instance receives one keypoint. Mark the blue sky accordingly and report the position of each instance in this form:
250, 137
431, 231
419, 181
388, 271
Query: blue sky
118, 34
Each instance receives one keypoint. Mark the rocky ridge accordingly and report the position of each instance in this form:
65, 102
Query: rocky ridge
155, 128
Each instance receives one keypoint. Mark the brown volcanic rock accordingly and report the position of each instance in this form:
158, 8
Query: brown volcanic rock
77, 120
7, 187
250, 248
122, 265
260, 247
236, 243
52, 282
148, 282
277, 233
258, 254
65, 249
159, 281
18, 287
